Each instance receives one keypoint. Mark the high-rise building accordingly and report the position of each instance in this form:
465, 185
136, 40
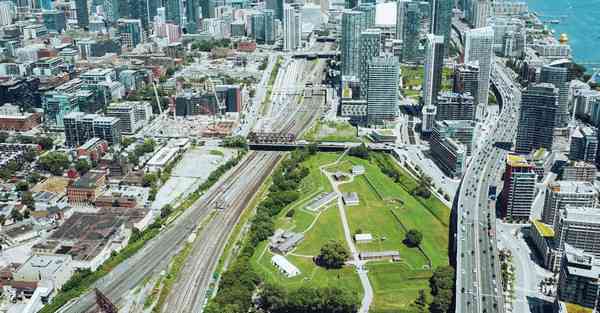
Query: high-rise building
441, 20
54, 20
350, 4
558, 76
132, 115
383, 74
193, 11
277, 7
579, 171
7, 12
584, 145
559, 194
174, 9
411, 24
428, 114
434, 62
454, 106
401, 7
292, 32
519, 188
81, 127
262, 27
479, 50
481, 11
269, 26
368, 10
83, 14
111, 10
578, 279
352, 24
466, 80
369, 47
448, 144
131, 32
579, 227
539, 104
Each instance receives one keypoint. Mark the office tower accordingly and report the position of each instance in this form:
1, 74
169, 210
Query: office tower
411, 24
579, 171
54, 20
291, 28
454, 106
131, 32
434, 62
45, 4
466, 80
83, 15
401, 8
579, 227
558, 76
560, 193
578, 279
351, 28
111, 10
481, 10
448, 145
479, 50
132, 115
174, 9
441, 20
519, 188
539, 103
584, 144
269, 27
277, 7
192, 15
368, 10
428, 114
369, 47
383, 74
81, 127
258, 27
350, 4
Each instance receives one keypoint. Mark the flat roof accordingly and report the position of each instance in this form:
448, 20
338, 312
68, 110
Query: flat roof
568, 186
516, 161
543, 229
285, 265
581, 214
576, 308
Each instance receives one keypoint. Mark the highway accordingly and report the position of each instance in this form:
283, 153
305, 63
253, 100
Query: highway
478, 283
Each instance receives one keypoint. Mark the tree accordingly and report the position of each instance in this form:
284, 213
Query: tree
27, 214
333, 255
290, 213
29, 155
359, 151
2, 219
34, 178
45, 142
166, 210
421, 301
126, 141
82, 166
54, 162
22, 186
16, 215
3, 137
27, 199
149, 179
413, 238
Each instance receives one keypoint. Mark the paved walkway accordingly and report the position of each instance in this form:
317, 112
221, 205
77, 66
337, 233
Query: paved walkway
362, 272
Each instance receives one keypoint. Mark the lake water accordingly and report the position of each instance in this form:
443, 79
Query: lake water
580, 21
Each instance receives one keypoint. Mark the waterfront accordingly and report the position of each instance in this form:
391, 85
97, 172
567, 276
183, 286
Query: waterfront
578, 19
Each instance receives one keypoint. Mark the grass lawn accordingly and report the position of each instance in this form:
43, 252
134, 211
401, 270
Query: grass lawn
332, 131
396, 286
412, 78
328, 226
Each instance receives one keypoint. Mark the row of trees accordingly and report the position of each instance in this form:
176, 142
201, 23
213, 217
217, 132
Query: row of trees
276, 299
240, 281
442, 288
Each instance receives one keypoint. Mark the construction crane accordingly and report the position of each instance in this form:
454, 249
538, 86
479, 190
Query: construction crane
157, 98
104, 303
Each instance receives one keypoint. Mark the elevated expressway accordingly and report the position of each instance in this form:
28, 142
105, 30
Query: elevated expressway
478, 279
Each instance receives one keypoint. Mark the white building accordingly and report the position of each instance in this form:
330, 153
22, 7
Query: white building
284, 266
292, 28
481, 10
56, 268
428, 118
162, 158
479, 45
7, 12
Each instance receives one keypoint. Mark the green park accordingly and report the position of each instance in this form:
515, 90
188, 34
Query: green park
392, 203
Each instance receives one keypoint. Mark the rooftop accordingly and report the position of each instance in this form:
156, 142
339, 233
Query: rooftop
543, 229
568, 186
516, 161
89, 180
581, 214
